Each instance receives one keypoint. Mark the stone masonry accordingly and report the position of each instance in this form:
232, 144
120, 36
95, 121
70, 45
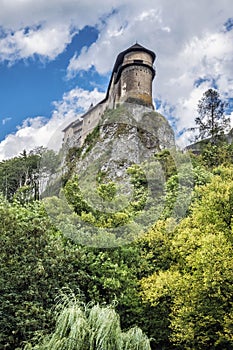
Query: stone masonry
130, 82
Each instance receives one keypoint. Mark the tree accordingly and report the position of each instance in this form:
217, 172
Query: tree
198, 285
215, 155
27, 171
35, 263
90, 327
211, 122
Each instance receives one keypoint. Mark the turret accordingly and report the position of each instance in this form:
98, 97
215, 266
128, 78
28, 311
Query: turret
132, 76
131, 81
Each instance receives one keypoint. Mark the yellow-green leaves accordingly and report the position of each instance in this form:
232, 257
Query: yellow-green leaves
158, 285
198, 284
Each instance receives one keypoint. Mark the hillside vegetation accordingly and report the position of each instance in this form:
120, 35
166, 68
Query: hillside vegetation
174, 282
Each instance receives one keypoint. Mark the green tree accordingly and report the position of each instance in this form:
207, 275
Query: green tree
90, 327
35, 262
215, 155
198, 284
27, 171
211, 122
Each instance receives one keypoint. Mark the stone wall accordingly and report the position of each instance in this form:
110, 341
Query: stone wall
131, 81
136, 85
138, 55
91, 119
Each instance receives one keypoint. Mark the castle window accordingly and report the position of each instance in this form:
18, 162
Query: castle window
138, 61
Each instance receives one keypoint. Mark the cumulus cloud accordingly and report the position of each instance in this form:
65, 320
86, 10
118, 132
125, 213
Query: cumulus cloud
165, 26
39, 131
191, 43
44, 27
47, 42
192, 40
208, 61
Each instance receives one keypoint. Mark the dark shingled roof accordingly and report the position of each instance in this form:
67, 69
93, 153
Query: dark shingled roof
135, 47
118, 63
120, 58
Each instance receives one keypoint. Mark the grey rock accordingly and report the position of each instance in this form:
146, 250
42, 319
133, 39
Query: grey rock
129, 134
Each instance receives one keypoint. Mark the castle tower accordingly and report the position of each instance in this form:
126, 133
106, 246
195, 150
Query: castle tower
131, 81
132, 78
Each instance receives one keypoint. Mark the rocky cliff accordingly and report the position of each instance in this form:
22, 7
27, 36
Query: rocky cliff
119, 189
129, 134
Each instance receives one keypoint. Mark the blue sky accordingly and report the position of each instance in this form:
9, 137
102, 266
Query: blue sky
30, 86
56, 58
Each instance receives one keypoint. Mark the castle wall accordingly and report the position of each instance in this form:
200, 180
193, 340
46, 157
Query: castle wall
68, 134
91, 119
136, 83
143, 56
76, 132
131, 81
111, 101
72, 134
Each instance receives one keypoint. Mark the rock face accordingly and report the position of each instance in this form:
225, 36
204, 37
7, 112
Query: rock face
127, 135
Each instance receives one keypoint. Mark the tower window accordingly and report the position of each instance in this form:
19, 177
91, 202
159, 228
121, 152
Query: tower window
138, 61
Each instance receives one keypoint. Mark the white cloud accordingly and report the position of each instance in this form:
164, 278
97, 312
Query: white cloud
164, 26
17, 14
44, 27
189, 40
209, 58
46, 42
187, 36
39, 131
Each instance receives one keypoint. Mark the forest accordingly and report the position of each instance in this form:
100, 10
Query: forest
169, 288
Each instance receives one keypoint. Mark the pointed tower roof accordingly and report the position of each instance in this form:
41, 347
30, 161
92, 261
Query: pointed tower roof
135, 47
120, 59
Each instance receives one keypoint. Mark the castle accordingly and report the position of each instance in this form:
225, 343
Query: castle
131, 81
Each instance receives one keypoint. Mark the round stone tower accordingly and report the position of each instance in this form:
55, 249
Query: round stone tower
133, 74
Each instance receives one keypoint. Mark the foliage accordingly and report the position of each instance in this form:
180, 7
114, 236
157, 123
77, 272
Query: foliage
174, 282
71, 157
214, 155
211, 122
90, 327
140, 187
75, 197
36, 261
198, 283
34, 264
107, 191
105, 207
25, 173
106, 196
73, 154
90, 140
17, 172
167, 162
